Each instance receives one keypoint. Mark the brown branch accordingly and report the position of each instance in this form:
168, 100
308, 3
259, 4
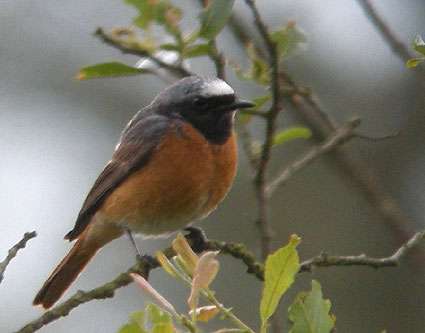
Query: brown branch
218, 59
368, 182
320, 120
14, 251
397, 46
81, 297
263, 219
376, 138
260, 176
306, 106
324, 260
238, 251
142, 267
178, 71
341, 136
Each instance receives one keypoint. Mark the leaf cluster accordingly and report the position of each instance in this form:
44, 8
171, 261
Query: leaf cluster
309, 313
418, 46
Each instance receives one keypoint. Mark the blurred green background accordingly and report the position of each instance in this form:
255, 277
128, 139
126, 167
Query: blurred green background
56, 135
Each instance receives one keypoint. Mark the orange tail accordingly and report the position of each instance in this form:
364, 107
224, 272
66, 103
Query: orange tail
67, 271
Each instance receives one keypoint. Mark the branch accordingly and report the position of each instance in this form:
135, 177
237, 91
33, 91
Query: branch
396, 45
106, 291
320, 121
271, 125
143, 267
307, 107
324, 260
238, 251
363, 175
14, 250
340, 137
218, 59
178, 71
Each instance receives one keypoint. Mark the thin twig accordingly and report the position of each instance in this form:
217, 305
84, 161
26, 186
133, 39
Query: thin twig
238, 251
219, 61
260, 176
324, 260
263, 219
81, 297
377, 138
396, 45
363, 175
178, 71
306, 106
324, 123
143, 267
341, 136
14, 250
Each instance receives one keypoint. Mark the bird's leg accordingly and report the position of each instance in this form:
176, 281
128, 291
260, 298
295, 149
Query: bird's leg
196, 238
133, 243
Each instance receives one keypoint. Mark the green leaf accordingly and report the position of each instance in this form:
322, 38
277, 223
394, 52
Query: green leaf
414, 62
310, 312
197, 50
291, 134
164, 328
289, 40
280, 270
136, 324
419, 45
161, 12
259, 102
214, 17
157, 315
244, 117
259, 68
108, 69
147, 11
258, 71
160, 319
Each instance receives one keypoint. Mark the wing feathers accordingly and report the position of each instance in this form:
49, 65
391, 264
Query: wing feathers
138, 142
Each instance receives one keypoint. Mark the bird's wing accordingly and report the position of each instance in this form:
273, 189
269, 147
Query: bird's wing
138, 143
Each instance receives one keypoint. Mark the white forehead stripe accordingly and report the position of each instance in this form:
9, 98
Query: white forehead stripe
216, 88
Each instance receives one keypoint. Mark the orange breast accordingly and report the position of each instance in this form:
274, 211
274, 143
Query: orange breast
184, 181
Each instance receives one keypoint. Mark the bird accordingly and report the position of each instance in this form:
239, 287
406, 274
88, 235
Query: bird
174, 163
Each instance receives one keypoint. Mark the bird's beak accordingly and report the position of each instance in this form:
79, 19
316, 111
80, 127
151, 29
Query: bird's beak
241, 104
238, 104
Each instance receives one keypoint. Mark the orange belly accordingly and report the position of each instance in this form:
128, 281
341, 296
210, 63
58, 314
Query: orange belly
184, 181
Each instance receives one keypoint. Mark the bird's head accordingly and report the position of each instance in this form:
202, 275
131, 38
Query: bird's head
208, 104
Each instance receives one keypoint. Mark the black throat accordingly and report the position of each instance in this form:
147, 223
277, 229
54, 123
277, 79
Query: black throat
215, 127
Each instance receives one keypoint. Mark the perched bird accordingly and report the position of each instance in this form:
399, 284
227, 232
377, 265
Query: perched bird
175, 161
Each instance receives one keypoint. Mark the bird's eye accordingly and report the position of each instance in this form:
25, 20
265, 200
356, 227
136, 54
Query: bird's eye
200, 103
